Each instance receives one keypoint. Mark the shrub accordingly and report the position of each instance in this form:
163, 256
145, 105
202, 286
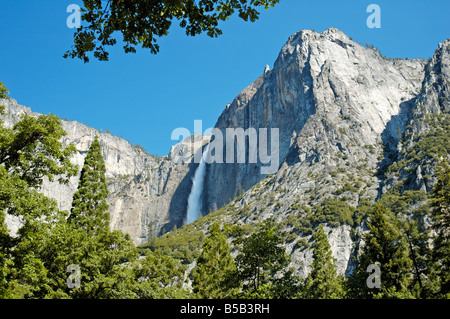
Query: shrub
3, 91
333, 212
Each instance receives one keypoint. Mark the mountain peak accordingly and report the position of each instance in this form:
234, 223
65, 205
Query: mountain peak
333, 33
306, 34
328, 96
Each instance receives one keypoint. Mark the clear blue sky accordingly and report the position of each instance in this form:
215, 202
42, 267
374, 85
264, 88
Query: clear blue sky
143, 97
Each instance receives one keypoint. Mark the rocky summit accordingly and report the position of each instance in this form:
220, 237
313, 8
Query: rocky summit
351, 127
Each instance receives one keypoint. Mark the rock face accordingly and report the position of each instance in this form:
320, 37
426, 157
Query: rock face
429, 116
334, 102
344, 113
147, 194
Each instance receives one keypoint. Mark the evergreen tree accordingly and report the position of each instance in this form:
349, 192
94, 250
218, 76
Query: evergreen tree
159, 276
89, 207
323, 282
3, 91
87, 241
441, 219
48, 243
262, 264
385, 246
417, 239
30, 150
213, 266
4, 254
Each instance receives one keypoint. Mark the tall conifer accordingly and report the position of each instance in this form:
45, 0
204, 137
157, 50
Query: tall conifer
89, 243
441, 219
89, 207
213, 266
385, 246
323, 282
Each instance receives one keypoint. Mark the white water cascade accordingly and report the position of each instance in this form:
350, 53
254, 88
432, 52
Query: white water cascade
195, 197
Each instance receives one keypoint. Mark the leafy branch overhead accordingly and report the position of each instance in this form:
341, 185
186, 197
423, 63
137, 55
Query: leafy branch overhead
142, 22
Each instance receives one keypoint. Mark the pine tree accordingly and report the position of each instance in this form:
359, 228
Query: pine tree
213, 266
262, 263
4, 255
159, 276
386, 247
3, 91
419, 251
89, 207
86, 240
323, 282
441, 219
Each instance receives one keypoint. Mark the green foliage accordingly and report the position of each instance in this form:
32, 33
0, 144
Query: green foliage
441, 218
159, 276
89, 208
214, 266
260, 259
386, 246
323, 281
434, 142
48, 244
4, 254
333, 212
87, 241
26, 275
330, 211
3, 91
400, 203
142, 22
32, 150
301, 225
417, 238
361, 211
34, 263
441, 200
347, 187
182, 245
424, 148
100, 258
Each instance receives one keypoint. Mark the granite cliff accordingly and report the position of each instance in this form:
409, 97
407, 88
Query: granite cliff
146, 193
336, 104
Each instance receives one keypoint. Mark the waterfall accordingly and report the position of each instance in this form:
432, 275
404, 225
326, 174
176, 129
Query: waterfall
195, 197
